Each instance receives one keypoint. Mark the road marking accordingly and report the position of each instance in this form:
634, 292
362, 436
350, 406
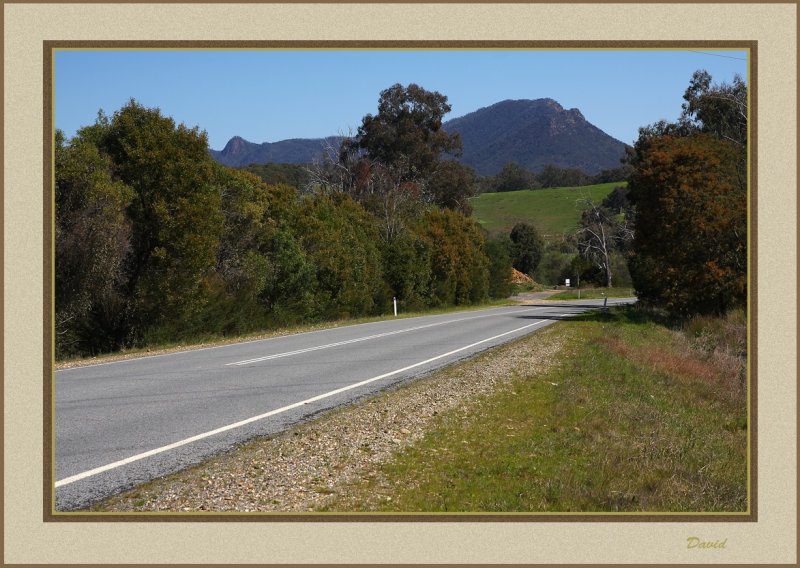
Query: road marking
238, 344
356, 340
137, 457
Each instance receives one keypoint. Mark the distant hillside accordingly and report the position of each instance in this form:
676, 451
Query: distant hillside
532, 133
555, 211
239, 152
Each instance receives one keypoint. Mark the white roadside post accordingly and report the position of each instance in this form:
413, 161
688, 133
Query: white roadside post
394, 302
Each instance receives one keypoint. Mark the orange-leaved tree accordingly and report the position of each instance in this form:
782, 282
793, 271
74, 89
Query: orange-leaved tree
459, 267
690, 246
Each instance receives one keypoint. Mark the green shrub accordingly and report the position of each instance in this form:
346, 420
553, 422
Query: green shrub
459, 267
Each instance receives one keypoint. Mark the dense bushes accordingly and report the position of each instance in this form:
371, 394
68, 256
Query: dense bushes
156, 242
498, 252
341, 244
459, 267
689, 186
690, 250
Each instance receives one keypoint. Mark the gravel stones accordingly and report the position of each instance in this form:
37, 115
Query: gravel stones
303, 469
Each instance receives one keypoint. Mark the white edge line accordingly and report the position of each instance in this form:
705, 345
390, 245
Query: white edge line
162, 449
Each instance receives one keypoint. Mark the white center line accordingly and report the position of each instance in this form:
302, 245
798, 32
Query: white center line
162, 449
356, 340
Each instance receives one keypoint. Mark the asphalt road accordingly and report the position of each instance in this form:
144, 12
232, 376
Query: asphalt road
123, 423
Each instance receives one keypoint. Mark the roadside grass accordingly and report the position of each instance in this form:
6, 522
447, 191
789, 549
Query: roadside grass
527, 287
213, 339
593, 294
634, 417
552, 211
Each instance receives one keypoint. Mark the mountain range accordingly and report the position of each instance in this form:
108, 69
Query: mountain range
533, 133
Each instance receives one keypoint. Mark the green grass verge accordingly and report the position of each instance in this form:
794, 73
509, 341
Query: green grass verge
552, 211
594, 294
635, 417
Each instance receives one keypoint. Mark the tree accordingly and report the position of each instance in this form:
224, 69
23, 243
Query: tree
497, 251
262, 276
583, 272
555, 261
396, 198
514, 177
527, 247
689, 189
245, 208
295, 175
393, 165
459, 267
408, 126
601, 233
341, 243
92, 240
342, 168
407, 269
615, 174
719, 109
552, 176
617, 201
689, 251
452, 185
175, 211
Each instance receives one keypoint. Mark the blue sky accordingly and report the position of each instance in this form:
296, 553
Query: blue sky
271, 95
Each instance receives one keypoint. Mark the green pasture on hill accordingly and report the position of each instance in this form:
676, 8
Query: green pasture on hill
552, 211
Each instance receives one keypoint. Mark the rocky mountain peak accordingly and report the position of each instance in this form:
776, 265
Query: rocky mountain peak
533, 133
235, 145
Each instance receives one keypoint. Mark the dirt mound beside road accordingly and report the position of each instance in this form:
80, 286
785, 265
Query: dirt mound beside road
518, 277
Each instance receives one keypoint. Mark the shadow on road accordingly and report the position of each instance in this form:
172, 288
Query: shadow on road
573, 309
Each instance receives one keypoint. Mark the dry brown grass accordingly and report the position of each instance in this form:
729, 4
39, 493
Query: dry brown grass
682, 362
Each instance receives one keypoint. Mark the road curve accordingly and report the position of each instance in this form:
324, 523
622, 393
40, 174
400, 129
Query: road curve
122, 423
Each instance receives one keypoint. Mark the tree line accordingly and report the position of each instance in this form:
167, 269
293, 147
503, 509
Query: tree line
689, 185
681, 221
514, 177
155, 241
678, 229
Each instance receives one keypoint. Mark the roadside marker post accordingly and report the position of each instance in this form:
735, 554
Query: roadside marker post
394, 302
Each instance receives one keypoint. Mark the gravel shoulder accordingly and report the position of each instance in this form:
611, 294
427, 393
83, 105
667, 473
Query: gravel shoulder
527, 298
304, 468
